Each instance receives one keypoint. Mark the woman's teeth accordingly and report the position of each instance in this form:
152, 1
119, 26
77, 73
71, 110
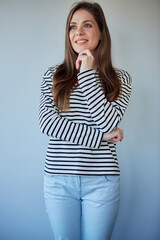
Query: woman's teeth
81, 41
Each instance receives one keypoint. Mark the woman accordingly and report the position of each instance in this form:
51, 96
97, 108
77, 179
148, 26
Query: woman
82, 102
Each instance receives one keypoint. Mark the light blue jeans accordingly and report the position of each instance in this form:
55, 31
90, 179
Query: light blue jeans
82, 207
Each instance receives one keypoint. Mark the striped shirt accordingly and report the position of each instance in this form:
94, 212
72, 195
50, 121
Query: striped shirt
76, 146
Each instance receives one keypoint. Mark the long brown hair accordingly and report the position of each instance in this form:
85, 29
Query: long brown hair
65, 76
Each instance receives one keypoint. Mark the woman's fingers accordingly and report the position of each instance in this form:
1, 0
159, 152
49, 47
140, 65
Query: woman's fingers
86, 52
78, 64
114, 136
85, 61
118, 135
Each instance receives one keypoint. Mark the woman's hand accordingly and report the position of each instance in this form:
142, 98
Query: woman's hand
85, 61
114, 136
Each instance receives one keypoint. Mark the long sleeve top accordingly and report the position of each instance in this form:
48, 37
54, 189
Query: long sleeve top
76, 145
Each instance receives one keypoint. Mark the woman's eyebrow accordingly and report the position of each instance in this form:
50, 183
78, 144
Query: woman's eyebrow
82, 22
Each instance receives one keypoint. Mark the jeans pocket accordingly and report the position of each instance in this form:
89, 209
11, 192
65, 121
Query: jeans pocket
112, 178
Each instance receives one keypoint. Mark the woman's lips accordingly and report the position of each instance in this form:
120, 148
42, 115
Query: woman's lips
81, 42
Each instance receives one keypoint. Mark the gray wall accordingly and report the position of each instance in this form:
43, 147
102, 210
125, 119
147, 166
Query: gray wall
31, 39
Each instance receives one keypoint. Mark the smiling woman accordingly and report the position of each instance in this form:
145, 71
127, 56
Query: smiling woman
82, 102
84, 32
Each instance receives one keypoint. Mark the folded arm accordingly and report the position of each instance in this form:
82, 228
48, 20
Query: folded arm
56, 126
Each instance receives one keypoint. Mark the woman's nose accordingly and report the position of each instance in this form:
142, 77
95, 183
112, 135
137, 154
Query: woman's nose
79, 31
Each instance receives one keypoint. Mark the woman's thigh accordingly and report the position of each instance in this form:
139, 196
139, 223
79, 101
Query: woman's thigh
62, 206
100, 203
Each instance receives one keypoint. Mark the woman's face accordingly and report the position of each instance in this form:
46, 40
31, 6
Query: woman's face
84, 32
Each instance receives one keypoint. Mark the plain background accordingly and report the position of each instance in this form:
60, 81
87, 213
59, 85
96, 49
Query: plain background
31, 40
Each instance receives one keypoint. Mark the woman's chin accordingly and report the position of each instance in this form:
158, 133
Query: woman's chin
78, 50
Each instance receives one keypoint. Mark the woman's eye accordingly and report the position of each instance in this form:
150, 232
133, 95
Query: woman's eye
87, 25
72, 27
